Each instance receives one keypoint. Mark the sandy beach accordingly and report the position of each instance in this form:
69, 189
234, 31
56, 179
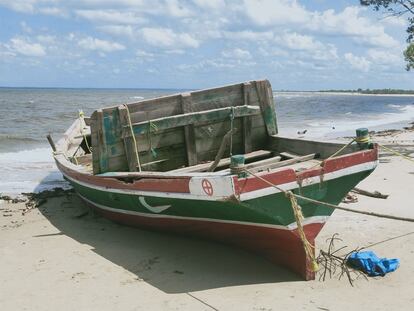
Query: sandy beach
59, 256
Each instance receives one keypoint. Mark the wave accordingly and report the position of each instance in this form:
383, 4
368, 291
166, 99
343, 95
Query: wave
17, 138
346, 126
138, 97
29, 171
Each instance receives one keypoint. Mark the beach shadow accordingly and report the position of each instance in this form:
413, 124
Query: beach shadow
171, 263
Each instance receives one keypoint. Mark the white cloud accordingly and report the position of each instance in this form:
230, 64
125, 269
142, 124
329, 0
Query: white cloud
248, 35
95, 44
54, 11
305, 47
46, 39
297, 41
25, 27
386, 57
177, 9
210, 4
23, 6
236, 54
111, 16
358, 62
118, 30
275, 12
166, 37
350, 23
24, 47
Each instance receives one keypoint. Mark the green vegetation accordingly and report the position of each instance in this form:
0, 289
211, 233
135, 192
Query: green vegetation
398, 8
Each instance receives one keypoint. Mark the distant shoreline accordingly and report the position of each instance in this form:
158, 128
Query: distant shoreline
338, 93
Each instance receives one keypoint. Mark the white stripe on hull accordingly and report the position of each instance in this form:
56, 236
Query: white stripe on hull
244, 196
291, 226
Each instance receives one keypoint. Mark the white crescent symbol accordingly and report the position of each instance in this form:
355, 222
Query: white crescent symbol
154, 209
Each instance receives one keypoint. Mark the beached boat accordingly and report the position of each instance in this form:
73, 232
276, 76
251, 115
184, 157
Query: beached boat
203, 163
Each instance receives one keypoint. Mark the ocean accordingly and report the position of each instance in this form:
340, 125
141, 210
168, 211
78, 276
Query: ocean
27, 115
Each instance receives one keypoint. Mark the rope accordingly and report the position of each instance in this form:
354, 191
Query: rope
331, 205
307, 246
397, 153
231, 129
81, 118
133, 138
151, 128
297, 211
335, 153
341, 149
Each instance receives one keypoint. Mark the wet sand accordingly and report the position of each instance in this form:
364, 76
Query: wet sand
57, 257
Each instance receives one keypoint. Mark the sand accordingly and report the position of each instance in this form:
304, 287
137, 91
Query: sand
52, 259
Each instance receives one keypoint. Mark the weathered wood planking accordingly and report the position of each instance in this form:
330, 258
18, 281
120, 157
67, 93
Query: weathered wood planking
212, 115
265, 95
190, 140
247, 121
222, 163
303, 146
129, 146
187, 143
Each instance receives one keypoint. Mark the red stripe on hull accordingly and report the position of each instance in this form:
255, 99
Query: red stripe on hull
178, 185
282, 247
243, 185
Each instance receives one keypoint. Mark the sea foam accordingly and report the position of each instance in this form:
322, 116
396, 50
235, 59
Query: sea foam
29, 171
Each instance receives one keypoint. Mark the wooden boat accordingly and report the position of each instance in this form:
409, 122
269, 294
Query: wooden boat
165, 164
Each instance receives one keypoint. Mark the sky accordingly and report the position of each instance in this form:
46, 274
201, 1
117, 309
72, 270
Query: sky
297, 45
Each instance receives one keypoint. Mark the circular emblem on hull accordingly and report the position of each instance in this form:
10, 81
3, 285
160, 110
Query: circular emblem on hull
207, 187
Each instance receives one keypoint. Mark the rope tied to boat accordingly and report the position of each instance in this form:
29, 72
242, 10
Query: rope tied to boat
152, 127
82, 122
396, 153
231, 129
299, 216
307, 246
133, 138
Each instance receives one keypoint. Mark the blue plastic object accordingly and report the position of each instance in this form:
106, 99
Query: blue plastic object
369, 263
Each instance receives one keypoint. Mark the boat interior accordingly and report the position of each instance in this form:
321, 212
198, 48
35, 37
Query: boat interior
190, 133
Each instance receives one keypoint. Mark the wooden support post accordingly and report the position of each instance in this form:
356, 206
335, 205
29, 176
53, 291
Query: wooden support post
95, 143
247, 121
127, 138
265, 96
190, 142
103, 154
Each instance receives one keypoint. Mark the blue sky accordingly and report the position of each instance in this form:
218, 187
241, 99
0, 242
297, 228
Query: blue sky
297, 45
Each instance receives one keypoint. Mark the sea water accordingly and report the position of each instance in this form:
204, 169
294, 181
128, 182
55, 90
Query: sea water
27, 115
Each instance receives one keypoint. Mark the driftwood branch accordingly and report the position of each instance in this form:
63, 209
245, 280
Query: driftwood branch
375, 194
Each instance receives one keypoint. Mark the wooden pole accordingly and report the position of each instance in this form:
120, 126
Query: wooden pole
51, 142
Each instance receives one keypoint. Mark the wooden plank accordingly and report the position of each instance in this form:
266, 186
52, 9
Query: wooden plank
129, 145
304, 146
190, 142
247, 121
272, 165
288, 155
223, 162
194, 117
265, 96
264, 162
